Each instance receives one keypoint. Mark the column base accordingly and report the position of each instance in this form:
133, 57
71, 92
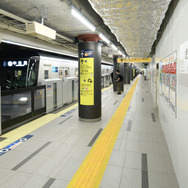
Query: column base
89, 120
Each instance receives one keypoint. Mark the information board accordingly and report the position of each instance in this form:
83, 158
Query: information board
87, 81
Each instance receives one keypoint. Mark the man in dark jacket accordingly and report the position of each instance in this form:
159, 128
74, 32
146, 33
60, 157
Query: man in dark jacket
119, 81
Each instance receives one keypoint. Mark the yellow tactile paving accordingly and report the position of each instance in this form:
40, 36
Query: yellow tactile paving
19, 132
91, 171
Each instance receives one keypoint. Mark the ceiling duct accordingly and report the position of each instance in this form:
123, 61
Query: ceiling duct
39, 30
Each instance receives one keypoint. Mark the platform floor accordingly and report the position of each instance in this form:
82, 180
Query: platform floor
55, 150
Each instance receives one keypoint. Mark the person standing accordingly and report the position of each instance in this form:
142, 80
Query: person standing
119, 82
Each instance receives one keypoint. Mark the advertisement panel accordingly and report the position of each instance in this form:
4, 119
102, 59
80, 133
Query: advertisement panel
173, 81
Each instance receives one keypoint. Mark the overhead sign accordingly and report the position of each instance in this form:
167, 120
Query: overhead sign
134, 60
87, 81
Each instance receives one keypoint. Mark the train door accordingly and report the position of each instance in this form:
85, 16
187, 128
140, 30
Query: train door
55, 95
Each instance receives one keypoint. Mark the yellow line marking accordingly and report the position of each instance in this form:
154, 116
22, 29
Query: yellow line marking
90, 173
23, 130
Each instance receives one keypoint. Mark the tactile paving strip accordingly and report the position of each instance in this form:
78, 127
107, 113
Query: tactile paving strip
93, 167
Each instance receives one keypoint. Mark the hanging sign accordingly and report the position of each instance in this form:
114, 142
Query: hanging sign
87, 80
134, 60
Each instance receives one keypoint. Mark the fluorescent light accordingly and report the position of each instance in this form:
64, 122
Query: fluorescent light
58, 59
119, 52
82, 19
114, 47
23, 99
104, 38
35, 47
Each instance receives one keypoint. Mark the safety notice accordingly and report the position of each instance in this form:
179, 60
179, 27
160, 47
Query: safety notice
87, 81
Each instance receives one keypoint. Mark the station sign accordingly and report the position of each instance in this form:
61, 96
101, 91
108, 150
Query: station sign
134, 60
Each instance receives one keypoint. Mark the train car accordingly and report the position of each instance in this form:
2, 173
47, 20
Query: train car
35, 83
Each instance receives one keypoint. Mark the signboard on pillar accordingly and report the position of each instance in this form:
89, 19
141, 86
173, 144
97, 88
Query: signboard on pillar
87, 77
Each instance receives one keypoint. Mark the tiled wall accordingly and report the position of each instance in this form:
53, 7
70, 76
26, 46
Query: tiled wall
175, 126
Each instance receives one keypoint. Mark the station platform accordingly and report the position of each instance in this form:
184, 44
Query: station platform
126, 149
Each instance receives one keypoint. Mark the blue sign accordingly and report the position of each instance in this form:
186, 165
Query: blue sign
15, 144
69, 112
54, 69
86, 53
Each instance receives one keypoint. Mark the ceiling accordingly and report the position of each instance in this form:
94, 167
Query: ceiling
131, 25
134, 22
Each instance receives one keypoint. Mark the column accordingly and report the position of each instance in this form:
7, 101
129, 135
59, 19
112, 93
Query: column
116, 67
131, 71
126, 73
121, 72
89, 67
120, 67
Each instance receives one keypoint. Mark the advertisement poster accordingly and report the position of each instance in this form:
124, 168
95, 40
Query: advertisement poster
160, 77
151, 68
173, 81
167, 79
163, 77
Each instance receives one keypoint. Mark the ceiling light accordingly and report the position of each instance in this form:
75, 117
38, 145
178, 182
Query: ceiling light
104, 38
119, 52
82, 19
35, 47
114, 47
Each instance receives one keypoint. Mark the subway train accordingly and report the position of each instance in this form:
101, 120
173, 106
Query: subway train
36, 83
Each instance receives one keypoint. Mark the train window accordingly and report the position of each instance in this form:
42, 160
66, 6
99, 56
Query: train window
32, 72
66, 73
76, 72
60, 74
46, 74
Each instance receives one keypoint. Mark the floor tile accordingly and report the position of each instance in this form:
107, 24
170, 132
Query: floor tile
158, 180
133, 136
59, 184
69, 169
133, 160
131, 178
117, 158
16, 180
173, 181
147, 147
133, 146
111, 177
35, 181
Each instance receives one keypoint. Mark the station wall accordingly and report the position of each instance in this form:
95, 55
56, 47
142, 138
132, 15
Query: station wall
174, 42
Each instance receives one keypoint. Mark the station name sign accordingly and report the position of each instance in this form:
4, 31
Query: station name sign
134, 60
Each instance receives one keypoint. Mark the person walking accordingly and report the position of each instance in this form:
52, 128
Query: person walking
119, 81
